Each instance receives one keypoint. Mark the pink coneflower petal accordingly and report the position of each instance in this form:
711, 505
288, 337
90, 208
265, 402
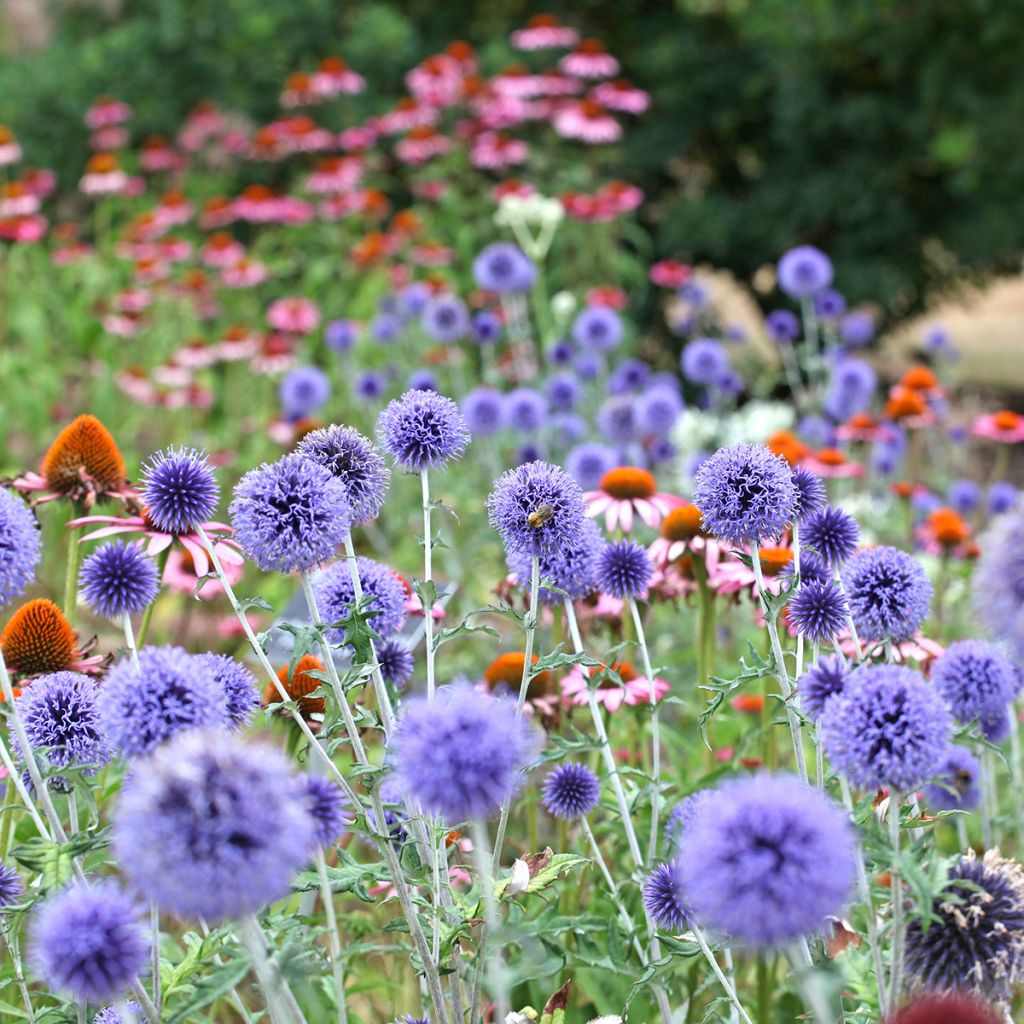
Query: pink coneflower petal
159, 542
199, 557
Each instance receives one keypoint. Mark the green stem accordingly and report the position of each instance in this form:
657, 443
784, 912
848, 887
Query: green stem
896, 967
71, 572
147, 615
638, 625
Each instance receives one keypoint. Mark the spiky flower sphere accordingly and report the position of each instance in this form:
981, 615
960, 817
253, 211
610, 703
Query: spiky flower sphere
111, 1015
976, 679
810, 490
169, 692
831, 533
681, 818
460, 756
889, 593
212, 827
572, 568
484, 409
571, 790
804, 271
745, 494
335, 596
117, 579
326, 805
38, 638
819, 684
503, 268
769, 840
945, 1008
60, 717
975, 940
422, 430
887, 727
624, 569
238, 684
87, 941
12, 886
956, 783
20, 547
180, 491
537, 508
997, 587
396, 662
290, 515
356, 462
818, 611
662, 900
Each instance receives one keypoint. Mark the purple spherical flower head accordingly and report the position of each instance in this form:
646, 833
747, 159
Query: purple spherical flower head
818, 611
537, 508
628, 376
829, 304
335, 596
1002, 496
111, 1014
810, 492
956, 785
745, 493
529, 451
88, 941
445, 319
998, 582
560, 353
889, 593
588, 462
303, 391
681, 818
857, 328
661, 450
975, 678
887, 727
422, 430
964, 496
356, 462
571, 790
370, 385
769, 840
341, 335
20, 546
504, 268
422, 380
12, 887
179, 489
624, 569
658, 409
563, 391
819, 684
60, 716
385, 328
326, 806
525, 409
485, 327
484, 411
662, 900
462, 755
831, 533
396, 662
812, 569
804, 271
588, 365
412, 298
170, 692
851, 388
597, 328
704, 361
212, 827
291, 514
616, 419
238, 684
117, 579
816, 431
783, 326
571, 568
995, 726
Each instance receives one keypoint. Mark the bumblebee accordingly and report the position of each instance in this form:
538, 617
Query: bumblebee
539, 516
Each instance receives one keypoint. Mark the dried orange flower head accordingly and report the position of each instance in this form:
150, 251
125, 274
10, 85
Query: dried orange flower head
788, 445
84, 461
507, 670
299, 685
682, 523
948, 528
628, 482
38, 639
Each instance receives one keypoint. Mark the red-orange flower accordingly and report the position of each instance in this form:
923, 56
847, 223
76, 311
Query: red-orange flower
507, 671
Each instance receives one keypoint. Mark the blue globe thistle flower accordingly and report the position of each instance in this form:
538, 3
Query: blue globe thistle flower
237, 683
370, 385
560, 352
624, 569
810, 492
117, 579
783, 326
616, 419
484, 411
385, 328
335, 596
812, 569
804, 271
681, 818
696, 294
212, 827
956, 785
537, 508
290, 515
887, 727
998, 582
745, 493
87, 941
964, 496
588, 462
485, 327
769, 840
572, 568
567, 427
111, 1015
887, 453
396, 663
661, 450
412, 298
303, 391
857, 329
818, 611
571, 790
851, 387
422, 380
728, 383
662, 900
1002, 496
462, 755
445, 319
171, 691
889, 593
529, 451
20, 547
832, 533
327, 807
341, 335
628, 376
597, 328
563, 391
588, 365
503, 268
819, 684
59, 712
179, 489
704, 361
356, 462
658, 409
12, 886
525, 409
422, 430
975, 678
829, 304
817, 431
974, 941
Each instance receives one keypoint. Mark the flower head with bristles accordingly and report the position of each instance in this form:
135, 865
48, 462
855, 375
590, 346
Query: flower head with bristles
38, 638
355, 461
20, 547
662, 899
624, 569
180, 490
117, 579
422, 430
571, 790
818, 611
889, 593
831, 533
238, 684
396, 662
326, 805
83, 464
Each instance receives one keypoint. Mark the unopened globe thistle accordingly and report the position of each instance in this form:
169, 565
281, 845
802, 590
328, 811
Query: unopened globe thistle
238, 684
597, 328
20, 547
976, 679
571, 790
997, 586
770, 864
87, 941
624, 569
445, 318
818, 611
572, 568
810, 491
462, 755
662, 899
12, 887
484, 410
396, 663
812, 569
995, 727
832, 533
526, 409
804, 271
974, 941
955, 785
290, 515
819, 684
179, 489
355, 461
212, 827
303, 391
117, 579
335, 596
703, 361
745, 493
945, 1008
327, 808
503, 268
887, 727
111, 1014
170, 691
889, 593
422, 430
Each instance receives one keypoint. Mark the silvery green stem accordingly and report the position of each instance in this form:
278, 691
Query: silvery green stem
236, 999
987, 787
14, 775
428, 576
961, 833
129, 641
72, 813
857, 652
896, 968
796, 569
333, 937
149, 1011
1017, 767
436, 852
803, 967
730, 973
496, 968
19, 974
278, 1005
716, 968
154, 924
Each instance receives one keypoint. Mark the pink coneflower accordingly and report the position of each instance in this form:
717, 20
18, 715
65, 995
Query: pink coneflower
276, 354
107, 110
221, 250
157, 155
334, 77
590, 60
495, 151
180, 574
244, 273
294, 315
123, 325
174, 249
69, 253
832, 464
544, 32
294, 211
299, 90
680, 533
218, 212
1004, 426
408, 113
517, 81
918, 649
173, 209
202, 121
735, 577
634, 689
133, 301
503, 112
196, 354
26, 228
302, 134
103, 176
512, 187
10, 151
608, 296
134, 382
40, 181
335, 174
357, 139
861, 427
432, 254
257, 204
168, 375
437, 80
620, 196
431, 191
622, 95
16, 200
422, 144
587, 121
670, 273
149, 270
238, 342
627, 491
112, 137
192, 397
554, 83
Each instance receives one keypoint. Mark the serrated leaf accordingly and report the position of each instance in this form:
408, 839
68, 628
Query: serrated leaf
559, 864
217, 983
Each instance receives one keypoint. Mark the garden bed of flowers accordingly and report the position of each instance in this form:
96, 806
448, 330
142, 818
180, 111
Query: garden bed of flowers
418, 604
